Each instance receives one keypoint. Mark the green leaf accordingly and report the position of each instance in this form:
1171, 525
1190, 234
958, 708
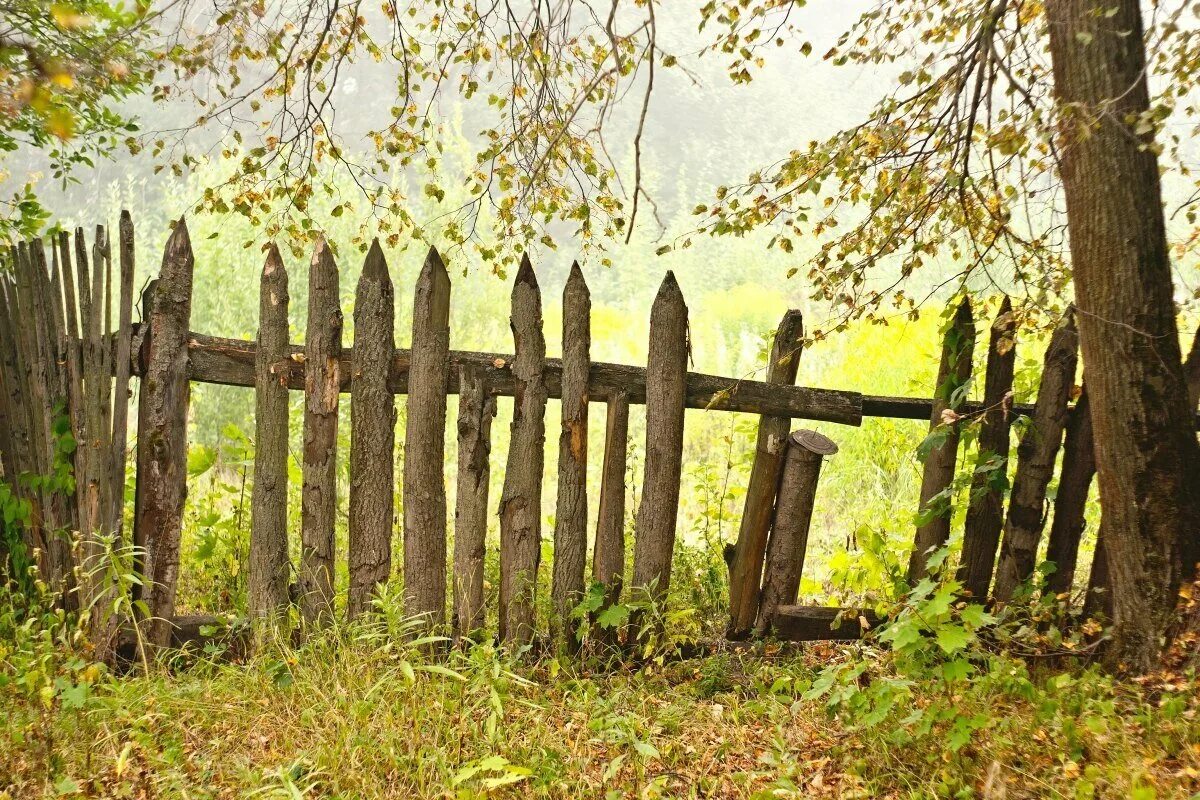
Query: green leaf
953, 638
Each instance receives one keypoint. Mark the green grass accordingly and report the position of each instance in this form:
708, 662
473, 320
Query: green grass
358, 713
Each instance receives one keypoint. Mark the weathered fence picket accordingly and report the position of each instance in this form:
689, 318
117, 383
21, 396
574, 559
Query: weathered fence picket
746, 563
666, 381
476, 409
954, 372
425, 444
570, 517
521, 502
267, 584
985, 512
372, 435
1036, 455
163, 437
1070, 504
322, 376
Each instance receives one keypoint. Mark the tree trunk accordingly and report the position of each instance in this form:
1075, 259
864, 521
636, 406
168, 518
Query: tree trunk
985, 514
372, 434
1146, 452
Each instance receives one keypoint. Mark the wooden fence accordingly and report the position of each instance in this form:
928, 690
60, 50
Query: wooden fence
64, 350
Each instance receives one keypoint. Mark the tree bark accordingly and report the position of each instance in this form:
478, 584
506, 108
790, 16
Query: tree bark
953, 373
666, 370
318, 496
425, 447
269, 565
570, 515
521, 503
1147, 460
985, 514
164, 405
1036, 455
372, 434
746, 565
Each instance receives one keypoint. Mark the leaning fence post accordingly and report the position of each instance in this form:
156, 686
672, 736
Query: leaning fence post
269, 565
570, 515
666, 387
521, 502
476, 409
985, 514
608, 556
425, 445
162, 442
1070, 504
318, 499
793, 517
372, 433
953, 374
1036, 455
746, 564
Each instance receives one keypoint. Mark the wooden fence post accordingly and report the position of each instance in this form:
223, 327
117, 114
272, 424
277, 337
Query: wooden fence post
793, 517
746, 564
270, 571
570, 516
985, 514
521, 502
1035, 462
121, 356
953, 373
372, 433
666, 381
476, 409
1098, 599
608, 556
1074, 483
425, 447
164, 402
322, 377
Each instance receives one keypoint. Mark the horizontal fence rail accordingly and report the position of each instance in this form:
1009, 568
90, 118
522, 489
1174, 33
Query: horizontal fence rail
230, 362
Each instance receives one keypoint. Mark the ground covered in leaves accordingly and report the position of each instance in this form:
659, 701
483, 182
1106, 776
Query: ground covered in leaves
365, 715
